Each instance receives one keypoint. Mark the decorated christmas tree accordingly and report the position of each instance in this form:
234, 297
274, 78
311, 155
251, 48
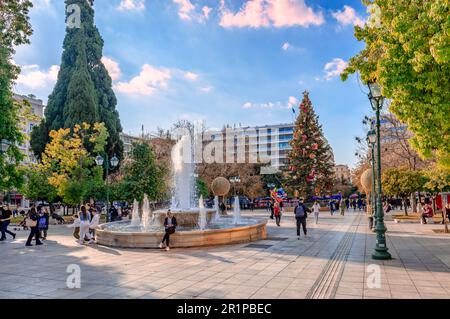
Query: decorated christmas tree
310, 168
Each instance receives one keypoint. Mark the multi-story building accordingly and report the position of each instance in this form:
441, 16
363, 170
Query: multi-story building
267, 144
128, 140
29, 118
31, 114
342, 173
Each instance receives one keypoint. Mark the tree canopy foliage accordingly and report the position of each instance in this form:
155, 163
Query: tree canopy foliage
407, 50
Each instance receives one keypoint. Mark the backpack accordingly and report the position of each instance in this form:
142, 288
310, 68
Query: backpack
300, 211
42, 223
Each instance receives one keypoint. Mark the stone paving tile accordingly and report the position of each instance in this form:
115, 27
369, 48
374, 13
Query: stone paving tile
289, 268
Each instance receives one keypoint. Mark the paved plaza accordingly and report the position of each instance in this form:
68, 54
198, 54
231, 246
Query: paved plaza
334, 262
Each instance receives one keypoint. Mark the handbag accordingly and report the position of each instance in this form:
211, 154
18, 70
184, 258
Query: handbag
30, 223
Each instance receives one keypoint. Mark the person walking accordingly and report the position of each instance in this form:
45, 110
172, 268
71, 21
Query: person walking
5, 218
44, 218
84, 224
32, 222
271, 209
331, 204
170, 224
347, 203
277, 213
316, 210
95, 221
342, 207
301, 215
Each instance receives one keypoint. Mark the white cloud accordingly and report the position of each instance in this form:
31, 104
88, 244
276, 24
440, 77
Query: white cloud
291, 48
206, 89
286, 46
131, 5
292, 102
334, 68
252, 14
151, 80
188, 11
112, 67
348, 16
206, 11
148, 82
31, 76
288, 13
265, 13
191, 76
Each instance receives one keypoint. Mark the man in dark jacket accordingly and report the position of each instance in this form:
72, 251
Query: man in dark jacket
170, 224
301, 213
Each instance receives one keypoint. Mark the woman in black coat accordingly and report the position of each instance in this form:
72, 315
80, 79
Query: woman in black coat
170, 224
34, 230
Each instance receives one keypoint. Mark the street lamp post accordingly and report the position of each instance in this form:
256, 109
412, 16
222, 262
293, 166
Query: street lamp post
380, 250
99, 160
234, 180
371, 140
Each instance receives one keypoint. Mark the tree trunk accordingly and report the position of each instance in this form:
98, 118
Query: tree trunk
405, 205
413, 203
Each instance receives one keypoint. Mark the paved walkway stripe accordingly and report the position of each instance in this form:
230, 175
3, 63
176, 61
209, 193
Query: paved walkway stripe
327, 283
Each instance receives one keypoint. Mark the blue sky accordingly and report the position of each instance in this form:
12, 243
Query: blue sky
229, 61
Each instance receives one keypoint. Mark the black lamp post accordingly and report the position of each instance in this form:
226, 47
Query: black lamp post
99, 160
371, 140
234, 180
380, 250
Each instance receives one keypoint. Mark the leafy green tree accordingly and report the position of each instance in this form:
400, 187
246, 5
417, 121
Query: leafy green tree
15, 30
38, 188
143, 175
407, 51
70, 168
83, 92
402, 182
202, 188
310, 166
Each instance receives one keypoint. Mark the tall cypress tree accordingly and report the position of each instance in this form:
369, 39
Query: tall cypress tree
83, 92
310, 166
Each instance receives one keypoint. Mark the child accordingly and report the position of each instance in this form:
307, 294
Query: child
76, 226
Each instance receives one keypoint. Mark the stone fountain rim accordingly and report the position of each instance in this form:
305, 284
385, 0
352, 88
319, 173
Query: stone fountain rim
260, 222
183, 210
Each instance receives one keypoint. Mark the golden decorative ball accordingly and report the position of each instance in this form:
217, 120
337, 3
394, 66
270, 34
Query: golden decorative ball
366, 181
220, 186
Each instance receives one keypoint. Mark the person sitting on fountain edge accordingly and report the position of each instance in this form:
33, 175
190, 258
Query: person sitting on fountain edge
170, 223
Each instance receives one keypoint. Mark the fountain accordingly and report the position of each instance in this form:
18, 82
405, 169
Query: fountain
146, 214
236, 211
197, 225
202, 214
216, 207
135, 218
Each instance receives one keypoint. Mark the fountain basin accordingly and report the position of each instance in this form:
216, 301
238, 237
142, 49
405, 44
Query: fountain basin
184, 238
185, 217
